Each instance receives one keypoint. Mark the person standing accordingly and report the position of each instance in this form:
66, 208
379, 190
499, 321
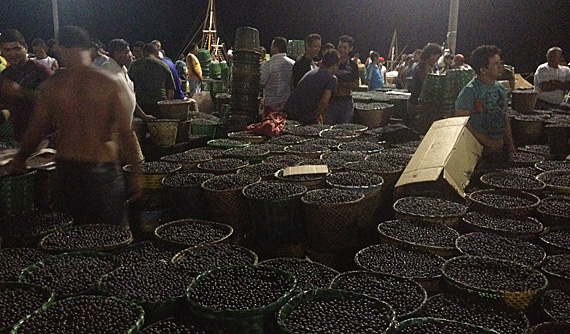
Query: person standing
307, 62
485, 101
88, 183
373, 73
551, 81
194, 69
429, 56
312, 95
19, 83
276, 76
341, 106
153, 80
40, 50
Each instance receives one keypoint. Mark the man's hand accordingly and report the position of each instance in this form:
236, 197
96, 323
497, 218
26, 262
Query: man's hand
149, 118
320, 119
135, 186
11, 89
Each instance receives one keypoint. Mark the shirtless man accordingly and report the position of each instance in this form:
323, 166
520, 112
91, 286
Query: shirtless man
88, 183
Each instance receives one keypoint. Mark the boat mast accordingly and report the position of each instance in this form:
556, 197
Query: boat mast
210, 39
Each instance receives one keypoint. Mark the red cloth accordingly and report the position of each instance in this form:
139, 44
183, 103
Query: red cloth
270, 126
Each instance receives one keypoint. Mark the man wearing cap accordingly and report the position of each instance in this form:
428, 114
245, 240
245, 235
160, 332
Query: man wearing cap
92, 125
551, 81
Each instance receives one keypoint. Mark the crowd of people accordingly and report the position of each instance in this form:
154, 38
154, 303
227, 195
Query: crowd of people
90, 105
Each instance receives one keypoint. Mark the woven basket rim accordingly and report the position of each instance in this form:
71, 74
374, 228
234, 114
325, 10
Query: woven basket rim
90, 227
362, 196
469, 222
484, 180
414, 244
515, 192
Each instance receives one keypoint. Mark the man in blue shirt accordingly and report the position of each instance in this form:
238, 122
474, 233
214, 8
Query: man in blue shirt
373, 73
485, 101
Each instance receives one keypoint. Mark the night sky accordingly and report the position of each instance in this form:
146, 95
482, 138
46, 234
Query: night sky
524, 29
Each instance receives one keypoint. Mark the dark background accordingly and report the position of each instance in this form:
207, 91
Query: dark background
524, 29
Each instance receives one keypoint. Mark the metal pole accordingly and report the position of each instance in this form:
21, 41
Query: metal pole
55, 12
452, 27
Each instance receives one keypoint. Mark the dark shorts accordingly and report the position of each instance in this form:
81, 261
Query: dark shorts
92, 193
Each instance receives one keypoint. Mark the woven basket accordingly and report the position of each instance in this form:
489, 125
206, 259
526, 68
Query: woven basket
44, 243
17, 193
527, 131
486, 179
374, 118
230, 207
523, 101
331, 227
405, 326
519, 300
163, 131
48, 297
557, 280
311, 184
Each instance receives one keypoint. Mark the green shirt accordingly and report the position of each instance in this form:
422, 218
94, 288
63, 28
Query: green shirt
152, 78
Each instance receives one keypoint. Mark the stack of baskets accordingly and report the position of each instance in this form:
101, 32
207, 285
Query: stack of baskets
245, 87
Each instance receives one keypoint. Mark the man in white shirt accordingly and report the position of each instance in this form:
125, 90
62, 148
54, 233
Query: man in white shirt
551, 81
276, 77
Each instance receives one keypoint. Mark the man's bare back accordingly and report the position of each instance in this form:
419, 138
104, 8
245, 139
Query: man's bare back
88, 106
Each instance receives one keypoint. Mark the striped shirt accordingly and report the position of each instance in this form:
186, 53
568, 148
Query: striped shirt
275, 79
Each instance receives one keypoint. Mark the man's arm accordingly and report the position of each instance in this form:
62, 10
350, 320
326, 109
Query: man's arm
141, 114
322, 106
264, 74
121, 111
493, 144
40, 125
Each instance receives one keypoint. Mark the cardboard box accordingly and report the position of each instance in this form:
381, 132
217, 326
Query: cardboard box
443, 162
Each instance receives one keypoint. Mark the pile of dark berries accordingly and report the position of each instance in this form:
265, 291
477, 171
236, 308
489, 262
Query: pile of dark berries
157, 167
330, 143
397, 159
308, 130
286, 140
188, 156
192, 232
500, 247
354, 179
230, 182
148, 251
429, 207
402, 150
17, 300
502, 200
512, 181
205, 121
503, 225
241, 288
71, 274
555, 206
246, 152
561, 179
223, 165
266, 190
538, 149
147, 282
361, 146
309, 274
399, 261
350, 315
344, 156
86, 237
35, 223
438, 326
338, 133
287, 160
557, 304
475, 311
549, 165
558, 265
331, 196
272, 148
306, 148
526, 159
377, 167
559, 239
186, 180
263, 170
420, 233
189, 325
524, 171
86, 315
14, 260
403, 294
492, 274
206, 258
351, 127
